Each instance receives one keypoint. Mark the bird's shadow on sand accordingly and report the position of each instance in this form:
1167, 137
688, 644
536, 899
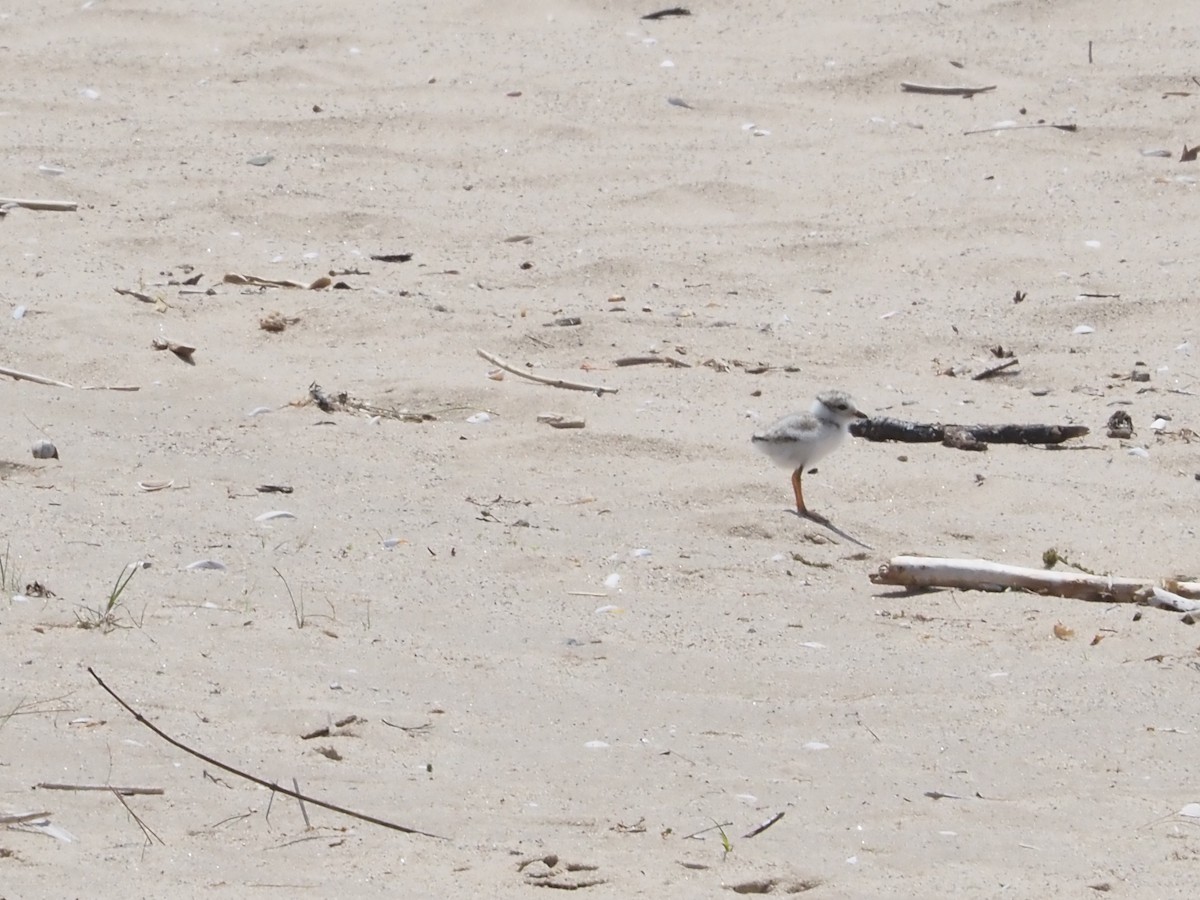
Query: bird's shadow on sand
825, 523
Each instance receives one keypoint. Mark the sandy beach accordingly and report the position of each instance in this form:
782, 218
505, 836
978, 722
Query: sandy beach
593, 658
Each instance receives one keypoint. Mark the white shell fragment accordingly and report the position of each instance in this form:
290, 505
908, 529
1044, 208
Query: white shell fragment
150, 486
478, 418
1083, 329
44, 450
202, 565
274, 514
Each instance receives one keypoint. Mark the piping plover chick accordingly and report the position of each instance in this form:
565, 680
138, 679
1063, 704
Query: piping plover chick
799, 440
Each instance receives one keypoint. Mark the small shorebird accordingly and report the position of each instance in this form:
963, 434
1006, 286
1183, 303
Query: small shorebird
799, 440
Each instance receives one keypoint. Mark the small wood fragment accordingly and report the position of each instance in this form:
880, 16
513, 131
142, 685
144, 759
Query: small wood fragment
255, 281
126, 791
136, 295
913, 87
23, 818
996, 370
558, 420
671, 361
1069, 126
759, 829
665, 13
541, 379
36, 379
183, 351
46, 205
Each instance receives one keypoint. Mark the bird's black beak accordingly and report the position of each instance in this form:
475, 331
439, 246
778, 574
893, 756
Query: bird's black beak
860, 414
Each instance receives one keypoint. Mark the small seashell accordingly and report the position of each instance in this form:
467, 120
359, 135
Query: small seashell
44, 450
496, 374
1083, 329
1158, 424
478, 419
19, 312
274, 514
260, 160
201, 565
155, 485
612, 581
1141, 452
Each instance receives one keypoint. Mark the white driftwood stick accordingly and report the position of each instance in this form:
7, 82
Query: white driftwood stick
945, 89
1164, 599
981, 574
541, 379
36, 379
49, 205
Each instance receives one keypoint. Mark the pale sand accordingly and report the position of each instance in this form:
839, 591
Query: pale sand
864, 240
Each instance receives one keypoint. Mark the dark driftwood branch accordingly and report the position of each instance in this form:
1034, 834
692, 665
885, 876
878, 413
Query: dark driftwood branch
270, 785
967, 437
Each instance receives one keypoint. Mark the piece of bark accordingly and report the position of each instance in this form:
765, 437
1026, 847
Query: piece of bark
883, 428
917, 572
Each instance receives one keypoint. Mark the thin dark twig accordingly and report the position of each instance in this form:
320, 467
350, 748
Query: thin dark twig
754, 832
696, 834
261, 782
300, 800
147, 831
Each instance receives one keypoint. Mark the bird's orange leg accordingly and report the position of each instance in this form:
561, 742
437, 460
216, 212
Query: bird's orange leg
801, 509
